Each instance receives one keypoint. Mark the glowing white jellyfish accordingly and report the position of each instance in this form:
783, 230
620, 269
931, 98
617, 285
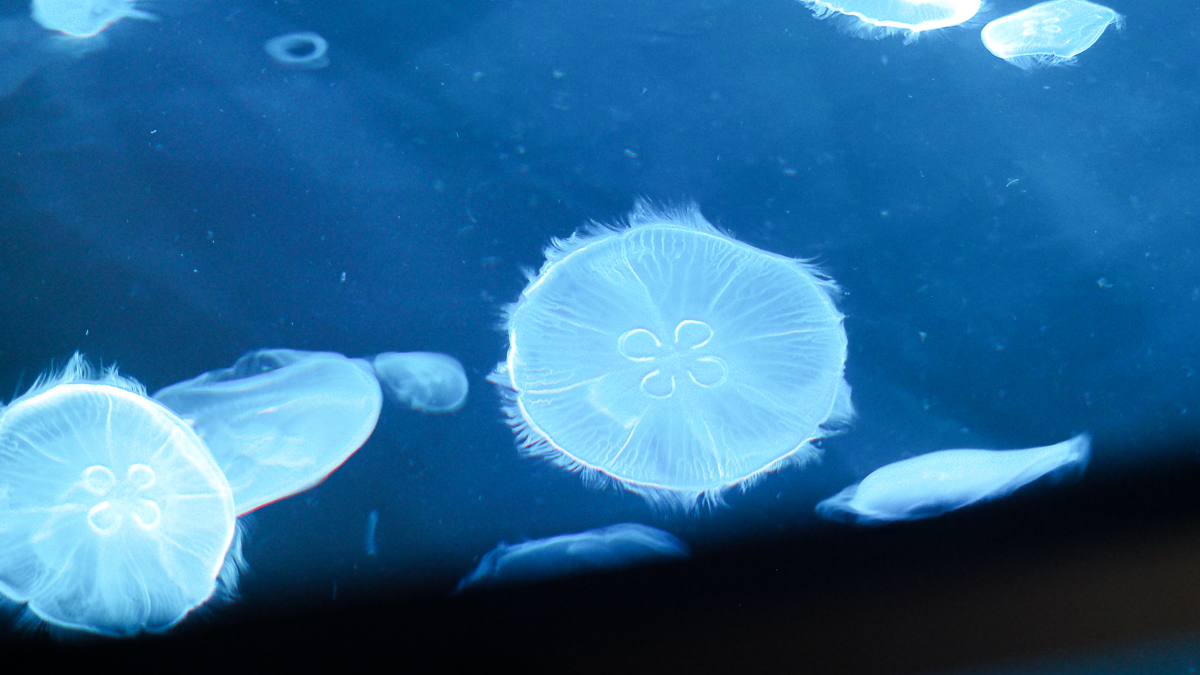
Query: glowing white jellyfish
882, 18
605, 548
934, 483
673, 359
1051, 33
84, 18
114, 517
425, 381
279, 421
299, 50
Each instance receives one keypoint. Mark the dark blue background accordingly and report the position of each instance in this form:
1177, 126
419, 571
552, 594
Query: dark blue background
1018, 249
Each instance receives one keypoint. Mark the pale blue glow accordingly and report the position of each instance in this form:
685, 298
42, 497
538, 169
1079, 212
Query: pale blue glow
84, 18
425, 381
372, 523
673, 359
114, 518
882, 18
605, 548
934, 483
279, 421
1050, 33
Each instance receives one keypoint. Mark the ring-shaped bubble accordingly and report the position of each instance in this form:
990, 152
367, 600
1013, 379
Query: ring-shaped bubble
673, 358
299, 50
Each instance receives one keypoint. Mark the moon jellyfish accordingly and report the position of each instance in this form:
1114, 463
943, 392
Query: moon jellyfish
279, 421
84, 18
606, 548
114, 518
673, 359
425, 381
298, 50
882, 18
1051, 33
932, 484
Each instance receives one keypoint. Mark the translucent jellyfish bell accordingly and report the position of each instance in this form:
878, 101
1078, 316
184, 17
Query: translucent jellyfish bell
1051, 33
882, 18
605, 548
279, 421
672, 358
934, 483
114, 518
425, 381
84, 18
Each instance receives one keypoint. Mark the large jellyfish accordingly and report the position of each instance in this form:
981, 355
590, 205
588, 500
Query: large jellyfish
84, 18
882, 18
931, 484
425, 381
1051, 33
279, 421
673, 359
114, 518
605, 548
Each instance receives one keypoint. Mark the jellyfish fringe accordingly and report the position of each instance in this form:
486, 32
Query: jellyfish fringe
663, 499
77, 369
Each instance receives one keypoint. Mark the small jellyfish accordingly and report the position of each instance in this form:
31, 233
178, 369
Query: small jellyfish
606, 548
673, 359
114, 518
298, 50
425, 381
878, 19
84, 18
1048, 34
279, 421
932, 484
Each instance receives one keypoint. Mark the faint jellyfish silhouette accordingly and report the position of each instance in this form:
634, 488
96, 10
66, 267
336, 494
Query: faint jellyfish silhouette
114, 518
673, 359
606, 548
425, 381
84, 18
299, 50
279, 421
1048, 34
877, 19
23, 52
931, 484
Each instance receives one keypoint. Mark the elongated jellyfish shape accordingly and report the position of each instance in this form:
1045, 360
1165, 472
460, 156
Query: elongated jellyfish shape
279, 421
425, 381
114, 517
932, 484
84, 18
882, 18
1051, 33
673, 359
605, 548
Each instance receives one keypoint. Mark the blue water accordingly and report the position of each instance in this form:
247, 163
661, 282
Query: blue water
1018, 249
